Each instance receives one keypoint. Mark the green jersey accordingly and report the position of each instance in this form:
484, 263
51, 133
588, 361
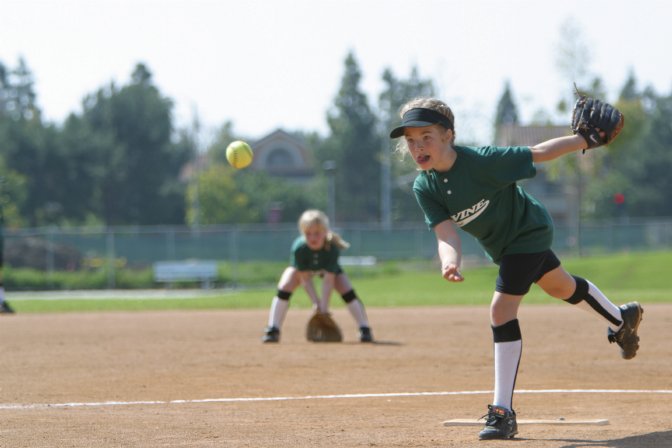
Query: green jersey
480, 195
304, 258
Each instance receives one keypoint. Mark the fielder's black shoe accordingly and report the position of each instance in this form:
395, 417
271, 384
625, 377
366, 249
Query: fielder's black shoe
5, 308
501, 424
365, 334
626, 337
272, 335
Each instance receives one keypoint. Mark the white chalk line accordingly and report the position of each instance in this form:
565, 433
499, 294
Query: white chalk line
117, 294
25, 406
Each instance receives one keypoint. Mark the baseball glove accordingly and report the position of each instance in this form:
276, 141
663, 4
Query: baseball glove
322, 328
596, 121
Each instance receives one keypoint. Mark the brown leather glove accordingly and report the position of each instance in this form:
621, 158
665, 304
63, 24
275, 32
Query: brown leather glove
322, 328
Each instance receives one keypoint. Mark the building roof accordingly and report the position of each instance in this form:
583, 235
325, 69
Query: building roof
282, 154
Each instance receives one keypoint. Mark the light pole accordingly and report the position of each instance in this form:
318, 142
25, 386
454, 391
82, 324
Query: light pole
385, 187
329, 167
196, 130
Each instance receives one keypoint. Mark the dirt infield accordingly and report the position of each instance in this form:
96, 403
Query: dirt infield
203, 379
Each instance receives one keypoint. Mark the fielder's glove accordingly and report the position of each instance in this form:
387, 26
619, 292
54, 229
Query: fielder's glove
596, 121
322, 328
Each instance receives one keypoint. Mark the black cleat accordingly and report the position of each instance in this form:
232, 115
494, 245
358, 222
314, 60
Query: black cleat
365, 334
501, 424
271, 335
5, 308
626, 337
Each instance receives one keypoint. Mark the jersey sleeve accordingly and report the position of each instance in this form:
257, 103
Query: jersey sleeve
509, 164
435, 212
299, 256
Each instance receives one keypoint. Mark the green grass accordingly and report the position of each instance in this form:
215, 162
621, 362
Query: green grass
630, 276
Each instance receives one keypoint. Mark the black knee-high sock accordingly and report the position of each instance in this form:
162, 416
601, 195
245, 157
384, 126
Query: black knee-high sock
589, 298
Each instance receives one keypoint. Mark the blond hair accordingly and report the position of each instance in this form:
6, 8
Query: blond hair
313, 217
424, 103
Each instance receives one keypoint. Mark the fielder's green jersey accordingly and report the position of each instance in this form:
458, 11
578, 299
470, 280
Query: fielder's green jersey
304, 258
480, 195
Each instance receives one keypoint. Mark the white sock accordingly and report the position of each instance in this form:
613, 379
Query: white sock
507, 358
356, 308
278, 312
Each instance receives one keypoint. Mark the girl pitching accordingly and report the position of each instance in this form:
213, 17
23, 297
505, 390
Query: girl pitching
475, 188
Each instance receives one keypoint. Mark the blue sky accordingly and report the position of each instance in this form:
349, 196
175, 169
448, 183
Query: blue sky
265, 64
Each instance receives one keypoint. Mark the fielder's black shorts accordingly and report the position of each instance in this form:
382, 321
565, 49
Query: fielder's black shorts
517, 272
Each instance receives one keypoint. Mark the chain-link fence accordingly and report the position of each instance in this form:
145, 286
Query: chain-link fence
68, 249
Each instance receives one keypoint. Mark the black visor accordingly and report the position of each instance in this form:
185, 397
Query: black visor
419, 118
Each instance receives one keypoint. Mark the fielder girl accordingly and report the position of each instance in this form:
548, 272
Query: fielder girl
475, 188
316, 251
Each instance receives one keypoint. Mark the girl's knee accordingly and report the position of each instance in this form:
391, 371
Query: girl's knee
349, 296
561, 290
289, 279
504, 308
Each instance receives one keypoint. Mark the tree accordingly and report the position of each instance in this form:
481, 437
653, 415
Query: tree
270, 194
17, 92
84, 150
138, 164
648, 170
507, 112
12, 196
217, 150
4, 90
22, 100
218, 198
29, 149
228, 196
572, 60
257, 195
631, 103
354, 144
399, 91
628, 164
402, 170
629, 90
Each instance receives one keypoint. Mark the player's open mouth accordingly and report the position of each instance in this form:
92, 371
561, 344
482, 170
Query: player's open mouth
422, 159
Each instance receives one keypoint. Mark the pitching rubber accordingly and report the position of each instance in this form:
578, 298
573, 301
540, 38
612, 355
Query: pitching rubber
559, 421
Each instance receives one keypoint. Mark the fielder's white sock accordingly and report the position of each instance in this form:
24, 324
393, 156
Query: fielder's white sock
278, 312
356, 308
507, 358
588, 297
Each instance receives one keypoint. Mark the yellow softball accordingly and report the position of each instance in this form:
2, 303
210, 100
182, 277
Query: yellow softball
239, 154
